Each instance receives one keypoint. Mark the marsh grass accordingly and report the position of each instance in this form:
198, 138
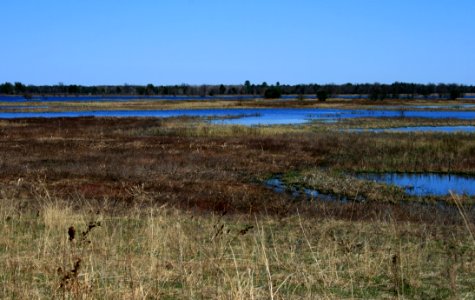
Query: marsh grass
345, 185
144, 208
147, 104
380, 123
198, 128
337, 183
162, 252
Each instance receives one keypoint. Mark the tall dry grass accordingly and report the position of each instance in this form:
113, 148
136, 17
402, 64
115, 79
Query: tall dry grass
54, 250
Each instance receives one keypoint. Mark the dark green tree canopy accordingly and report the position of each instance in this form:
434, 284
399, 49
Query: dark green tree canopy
7, 88
273, 92
375, 91
322, 95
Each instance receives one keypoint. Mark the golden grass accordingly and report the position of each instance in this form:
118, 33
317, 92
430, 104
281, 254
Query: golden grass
5, 123
162, 252
148, 104
369, 123
198, 128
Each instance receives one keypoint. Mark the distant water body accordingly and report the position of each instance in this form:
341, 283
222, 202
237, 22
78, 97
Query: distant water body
253, 116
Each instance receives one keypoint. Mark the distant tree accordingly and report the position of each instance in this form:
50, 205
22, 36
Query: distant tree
261, 89
185, 88
20, 88
442, 90
6, 88
374, 91
331, 90
347, 88
315, 88
140, 90
430, 89
423, 90
247, 87
149, 89
94, 90
454, 92
272, 93
397, 88
322, 95
60, 88
298, 89
203, 90
377, 92
222, 89
73, 89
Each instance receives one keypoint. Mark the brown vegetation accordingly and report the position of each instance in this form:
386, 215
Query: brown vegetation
151, 208
194, 166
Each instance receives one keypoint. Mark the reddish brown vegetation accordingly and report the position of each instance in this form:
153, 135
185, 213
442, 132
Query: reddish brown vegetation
114, 159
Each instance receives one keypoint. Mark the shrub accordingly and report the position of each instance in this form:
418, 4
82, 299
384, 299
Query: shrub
272, 93
322, 95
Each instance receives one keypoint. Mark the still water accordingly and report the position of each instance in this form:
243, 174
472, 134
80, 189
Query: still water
428, 184
253, 116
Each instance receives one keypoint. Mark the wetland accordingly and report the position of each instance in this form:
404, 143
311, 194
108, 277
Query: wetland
194, 197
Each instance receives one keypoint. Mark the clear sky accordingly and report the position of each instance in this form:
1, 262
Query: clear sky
229, 41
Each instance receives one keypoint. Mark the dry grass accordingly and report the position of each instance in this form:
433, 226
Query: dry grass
161, 252
148, 104
195, 165
172, 209
370, 123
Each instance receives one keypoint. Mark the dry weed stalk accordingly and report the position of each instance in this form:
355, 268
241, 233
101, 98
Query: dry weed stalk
463, 214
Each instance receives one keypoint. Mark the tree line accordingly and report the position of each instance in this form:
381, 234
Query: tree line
373, 91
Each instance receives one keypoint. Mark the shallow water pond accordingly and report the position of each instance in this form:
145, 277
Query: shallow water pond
429, 184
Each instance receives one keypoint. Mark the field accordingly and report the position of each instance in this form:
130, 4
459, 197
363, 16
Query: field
177, 208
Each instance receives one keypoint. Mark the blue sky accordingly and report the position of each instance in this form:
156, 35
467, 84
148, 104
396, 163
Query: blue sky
228, 41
